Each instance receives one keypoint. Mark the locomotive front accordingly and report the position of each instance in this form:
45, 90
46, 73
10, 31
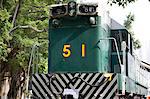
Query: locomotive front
74, 34
77, 51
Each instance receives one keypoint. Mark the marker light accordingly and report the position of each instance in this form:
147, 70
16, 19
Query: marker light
72, 6
55, 23
92, 20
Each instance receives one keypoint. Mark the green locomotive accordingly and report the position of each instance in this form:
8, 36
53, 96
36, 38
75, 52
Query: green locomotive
88, 58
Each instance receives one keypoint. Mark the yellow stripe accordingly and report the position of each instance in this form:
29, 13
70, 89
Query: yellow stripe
83, 50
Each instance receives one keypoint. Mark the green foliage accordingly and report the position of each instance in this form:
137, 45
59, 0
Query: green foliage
122, 3
4, 15
3, 51
4, 36
128, 24
15, 48
137, 44
129, 21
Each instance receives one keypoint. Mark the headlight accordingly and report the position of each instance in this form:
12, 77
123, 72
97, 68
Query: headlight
72, 6
58, 11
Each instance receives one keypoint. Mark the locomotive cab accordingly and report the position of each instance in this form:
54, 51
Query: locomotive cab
121, 34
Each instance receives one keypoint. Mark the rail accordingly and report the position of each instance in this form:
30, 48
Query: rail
116, 46
33, 57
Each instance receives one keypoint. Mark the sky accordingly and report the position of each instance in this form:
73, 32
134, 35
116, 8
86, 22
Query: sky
141, 25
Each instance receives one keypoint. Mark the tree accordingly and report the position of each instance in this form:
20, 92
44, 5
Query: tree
128, 24
122, 3
23, 23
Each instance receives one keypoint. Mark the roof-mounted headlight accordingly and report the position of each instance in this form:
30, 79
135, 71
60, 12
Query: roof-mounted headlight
72, 8
58, 10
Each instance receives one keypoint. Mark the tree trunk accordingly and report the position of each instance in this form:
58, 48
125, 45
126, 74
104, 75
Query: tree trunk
5, 85
17, 85
12, 86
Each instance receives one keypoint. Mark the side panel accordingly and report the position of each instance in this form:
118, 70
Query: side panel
132, 86
89, 85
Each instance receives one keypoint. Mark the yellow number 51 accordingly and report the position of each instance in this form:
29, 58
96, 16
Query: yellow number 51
67, 51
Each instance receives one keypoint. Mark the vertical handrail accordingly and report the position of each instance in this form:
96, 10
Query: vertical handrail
34, 58
124, 60
123, 69
29, 66
116, 46
37, 59
123, 48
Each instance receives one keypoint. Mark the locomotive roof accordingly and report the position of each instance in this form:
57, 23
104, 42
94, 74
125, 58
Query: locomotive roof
116, 26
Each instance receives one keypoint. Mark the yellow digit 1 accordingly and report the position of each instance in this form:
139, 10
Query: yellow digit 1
66, 51
83, 50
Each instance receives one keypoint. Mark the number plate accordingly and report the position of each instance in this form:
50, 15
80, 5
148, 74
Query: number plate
88, 9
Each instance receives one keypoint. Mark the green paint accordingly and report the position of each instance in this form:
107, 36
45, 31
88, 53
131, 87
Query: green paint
75, 32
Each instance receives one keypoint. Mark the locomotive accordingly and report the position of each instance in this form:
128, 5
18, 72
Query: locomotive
90, 57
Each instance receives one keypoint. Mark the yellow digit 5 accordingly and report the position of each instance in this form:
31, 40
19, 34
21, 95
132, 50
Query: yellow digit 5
66, 51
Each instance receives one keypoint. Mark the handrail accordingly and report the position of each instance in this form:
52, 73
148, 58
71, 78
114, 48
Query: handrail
34, 51
116, 46
29, 66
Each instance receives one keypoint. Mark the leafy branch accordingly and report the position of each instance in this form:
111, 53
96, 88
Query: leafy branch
16, 12
122, 3
128, 24
26, 27
1, 4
